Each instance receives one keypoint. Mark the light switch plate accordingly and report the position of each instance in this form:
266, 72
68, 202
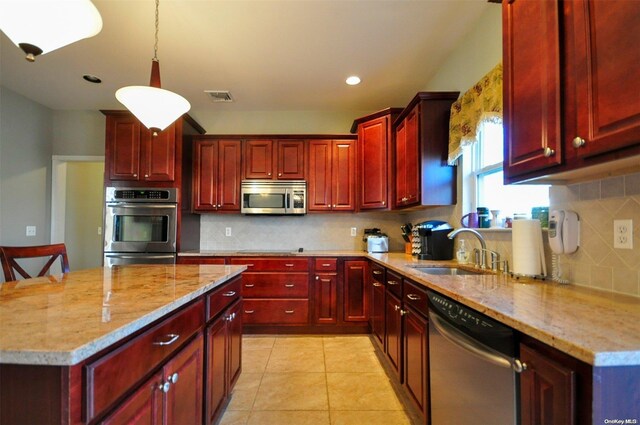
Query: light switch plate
354, 231
623, 234
31, 230
227, 231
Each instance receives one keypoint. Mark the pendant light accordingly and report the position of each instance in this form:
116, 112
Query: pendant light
155, 107
40, 26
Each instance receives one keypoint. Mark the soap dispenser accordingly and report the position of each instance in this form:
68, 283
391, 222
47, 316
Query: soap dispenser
462, 255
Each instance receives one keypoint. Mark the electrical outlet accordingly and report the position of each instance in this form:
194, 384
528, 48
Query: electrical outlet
31, 230
99, 230
227, 231
623, 234
354, 231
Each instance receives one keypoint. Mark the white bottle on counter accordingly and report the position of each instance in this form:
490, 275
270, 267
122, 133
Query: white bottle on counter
462, 255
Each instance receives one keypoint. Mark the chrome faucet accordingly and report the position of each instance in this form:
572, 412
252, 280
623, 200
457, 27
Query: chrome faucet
483, 244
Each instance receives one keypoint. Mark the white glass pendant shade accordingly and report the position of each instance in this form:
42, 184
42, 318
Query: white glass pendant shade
156, 108
40, 26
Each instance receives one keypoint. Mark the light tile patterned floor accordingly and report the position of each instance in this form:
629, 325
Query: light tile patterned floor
312, 380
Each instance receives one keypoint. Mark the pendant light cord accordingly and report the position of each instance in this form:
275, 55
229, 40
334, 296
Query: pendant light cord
155, 46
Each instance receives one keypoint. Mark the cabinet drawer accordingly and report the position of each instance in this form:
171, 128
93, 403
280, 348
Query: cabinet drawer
200, 260
289, 264
326, 264
378, 273
275, 311
415, 296
106, 380
220, 298
275, 285
394, 283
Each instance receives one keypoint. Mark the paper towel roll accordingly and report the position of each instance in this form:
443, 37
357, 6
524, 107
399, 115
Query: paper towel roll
526, 238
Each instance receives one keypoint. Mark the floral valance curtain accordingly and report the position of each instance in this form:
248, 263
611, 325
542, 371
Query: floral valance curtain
483, 102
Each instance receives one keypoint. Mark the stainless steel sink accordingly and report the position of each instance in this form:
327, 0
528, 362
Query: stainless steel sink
447, 271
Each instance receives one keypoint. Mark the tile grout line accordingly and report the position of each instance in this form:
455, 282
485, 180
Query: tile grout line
326, 379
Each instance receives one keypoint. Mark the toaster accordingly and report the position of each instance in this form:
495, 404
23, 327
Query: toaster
375, 241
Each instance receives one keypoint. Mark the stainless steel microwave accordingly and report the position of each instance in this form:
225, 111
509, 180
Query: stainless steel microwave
274, 197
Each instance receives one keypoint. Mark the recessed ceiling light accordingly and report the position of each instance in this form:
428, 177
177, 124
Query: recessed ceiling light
353, 80
92, 78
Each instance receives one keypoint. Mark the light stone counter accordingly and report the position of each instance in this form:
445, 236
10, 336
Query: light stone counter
597, 327
64, 319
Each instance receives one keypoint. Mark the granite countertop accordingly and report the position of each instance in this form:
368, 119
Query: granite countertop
64, 319
270, 253
597, 327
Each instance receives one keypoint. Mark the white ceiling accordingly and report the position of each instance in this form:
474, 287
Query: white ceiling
271, 54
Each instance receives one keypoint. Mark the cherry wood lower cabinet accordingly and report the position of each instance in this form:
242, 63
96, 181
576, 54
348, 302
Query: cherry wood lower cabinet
416, 358
356, 295
224, 359
377, 314
326, 301
393, 336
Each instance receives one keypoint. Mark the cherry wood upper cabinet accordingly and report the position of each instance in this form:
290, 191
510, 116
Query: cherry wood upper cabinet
571, 101
531, 50
423, 177
375, 165
274, 159
134, 157
216, 175
331, 175
605, 36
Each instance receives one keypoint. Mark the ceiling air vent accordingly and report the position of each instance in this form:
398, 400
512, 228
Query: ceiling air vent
219, 96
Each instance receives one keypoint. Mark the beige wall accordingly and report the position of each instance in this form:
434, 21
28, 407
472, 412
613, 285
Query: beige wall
84, 214
79, 133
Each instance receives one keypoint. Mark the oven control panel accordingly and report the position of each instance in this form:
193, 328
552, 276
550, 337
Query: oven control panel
117, 194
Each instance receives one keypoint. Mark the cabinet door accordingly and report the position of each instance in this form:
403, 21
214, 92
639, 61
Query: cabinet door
159, 154
416, 358
374, 162
356, 298
532, 91
401, 164
234, 342
205, 175
377, 311
290, 159
123, 147
605, 39
216, 380
258, 159
393, 324
343, 168
143, 407
183, 401
412, 159
547, 390
229, 174
326, 303
319, 184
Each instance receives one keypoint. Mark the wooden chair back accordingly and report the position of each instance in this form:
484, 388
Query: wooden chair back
9, 255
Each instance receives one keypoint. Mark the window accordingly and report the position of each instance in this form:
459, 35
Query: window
484, 177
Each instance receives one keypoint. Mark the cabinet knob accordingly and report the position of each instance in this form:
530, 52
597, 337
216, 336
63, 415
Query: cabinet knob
219, 206
317, 277
404, 199
384, 203
519, 366
164, 387
396, 307
174, 378
135, 175
578, 142
548, 152
403, 312
279, 174
268, 174
146, 176
334, 205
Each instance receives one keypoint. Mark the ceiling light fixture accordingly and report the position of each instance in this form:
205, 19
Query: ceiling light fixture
39, 26
92, 78
354, 80
155, 107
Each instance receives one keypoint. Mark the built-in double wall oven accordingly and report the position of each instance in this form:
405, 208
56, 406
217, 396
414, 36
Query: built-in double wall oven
140, 226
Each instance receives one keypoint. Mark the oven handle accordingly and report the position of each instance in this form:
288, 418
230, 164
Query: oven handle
469, 344
130, 256
140, 205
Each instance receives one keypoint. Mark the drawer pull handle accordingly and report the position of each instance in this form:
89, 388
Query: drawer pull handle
172, 338
378, 272
413, 297
289, 285
229, 294
289, 311
164, 387
249, 311
174, 378
326, 265
377, 284
392, 282
289, 265
249, 285
249, 265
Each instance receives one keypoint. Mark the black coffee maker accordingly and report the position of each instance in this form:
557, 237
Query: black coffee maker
434, 243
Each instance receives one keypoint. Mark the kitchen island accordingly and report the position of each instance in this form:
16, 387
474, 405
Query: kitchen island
75, 346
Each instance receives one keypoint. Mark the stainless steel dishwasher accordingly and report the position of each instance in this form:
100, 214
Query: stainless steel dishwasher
473, 366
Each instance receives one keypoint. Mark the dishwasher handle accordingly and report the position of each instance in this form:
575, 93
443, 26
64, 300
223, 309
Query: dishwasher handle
473, 346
